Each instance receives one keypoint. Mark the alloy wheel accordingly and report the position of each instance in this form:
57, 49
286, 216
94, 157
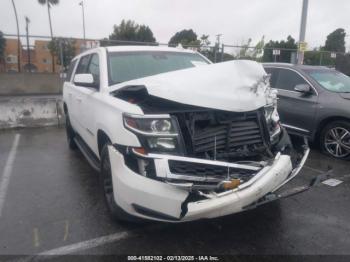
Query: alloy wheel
107, 180
337, 142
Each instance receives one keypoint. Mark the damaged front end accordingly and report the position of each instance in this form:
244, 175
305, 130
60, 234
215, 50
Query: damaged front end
196, 162
202, 163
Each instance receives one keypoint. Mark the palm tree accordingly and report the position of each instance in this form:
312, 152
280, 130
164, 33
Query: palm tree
18, 40
49, 4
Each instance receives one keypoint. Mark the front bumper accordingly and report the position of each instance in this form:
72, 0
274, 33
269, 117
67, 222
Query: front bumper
158, 200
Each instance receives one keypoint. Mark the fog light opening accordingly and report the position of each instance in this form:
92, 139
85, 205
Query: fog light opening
229, 185
139, 151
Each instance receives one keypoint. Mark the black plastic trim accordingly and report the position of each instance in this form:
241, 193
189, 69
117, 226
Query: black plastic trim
151, 213
87, 152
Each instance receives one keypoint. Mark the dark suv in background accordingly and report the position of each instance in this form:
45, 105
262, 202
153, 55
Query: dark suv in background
314, 101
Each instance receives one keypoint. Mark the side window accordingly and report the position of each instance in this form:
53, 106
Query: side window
70, 70
94, 68
274, 75
83, 64
288, 79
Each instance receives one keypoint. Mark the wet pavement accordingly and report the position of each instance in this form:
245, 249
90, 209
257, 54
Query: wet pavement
53, 203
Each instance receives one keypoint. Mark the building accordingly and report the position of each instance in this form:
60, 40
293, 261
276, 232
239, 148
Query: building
44, 57
10, 55
26, 65
40, 56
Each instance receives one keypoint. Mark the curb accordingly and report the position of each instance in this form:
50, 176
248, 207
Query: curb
31, 111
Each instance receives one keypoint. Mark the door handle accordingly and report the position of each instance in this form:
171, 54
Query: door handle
79, 99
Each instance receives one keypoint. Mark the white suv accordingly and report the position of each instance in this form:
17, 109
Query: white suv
175, 137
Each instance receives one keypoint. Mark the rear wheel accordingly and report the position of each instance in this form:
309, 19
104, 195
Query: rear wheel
335, 139
70, 134
107, 185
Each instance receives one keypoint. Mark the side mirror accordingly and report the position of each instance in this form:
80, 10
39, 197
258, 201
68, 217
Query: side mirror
84, 80
303, 88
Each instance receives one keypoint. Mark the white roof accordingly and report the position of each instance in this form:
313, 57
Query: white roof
129, 48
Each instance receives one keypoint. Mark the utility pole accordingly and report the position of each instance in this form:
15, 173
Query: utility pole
217, 45
82, 9
50, 23
302, 32
222, 52
27, 36
18, 40
61, 55
218, 39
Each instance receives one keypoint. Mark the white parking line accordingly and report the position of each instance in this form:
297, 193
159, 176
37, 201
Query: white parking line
6, 174
88, 244
74, 248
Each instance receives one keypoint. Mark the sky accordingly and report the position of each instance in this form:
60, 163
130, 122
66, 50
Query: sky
236, 20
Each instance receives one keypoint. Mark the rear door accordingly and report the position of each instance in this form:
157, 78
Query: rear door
297, 110
69, 91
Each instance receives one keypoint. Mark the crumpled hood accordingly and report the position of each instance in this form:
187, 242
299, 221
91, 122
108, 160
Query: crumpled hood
239, 85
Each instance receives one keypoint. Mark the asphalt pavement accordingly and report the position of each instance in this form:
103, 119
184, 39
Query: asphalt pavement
51, 203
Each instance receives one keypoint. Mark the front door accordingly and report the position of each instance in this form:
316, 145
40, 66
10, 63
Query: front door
297, 110
88, 97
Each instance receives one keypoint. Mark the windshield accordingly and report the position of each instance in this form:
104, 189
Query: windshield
125, 66
331, 80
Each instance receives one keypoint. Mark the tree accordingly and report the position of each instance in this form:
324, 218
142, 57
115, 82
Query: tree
211, 56
18, 39
289, 47
204, 41
343, 63
185, 38
318, 56
336, 41
131, 31
313, 57
243, 53
49, 4
145, 34
65, 45
259, 49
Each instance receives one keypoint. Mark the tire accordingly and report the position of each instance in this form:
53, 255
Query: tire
335, 139
70, 134
116, 212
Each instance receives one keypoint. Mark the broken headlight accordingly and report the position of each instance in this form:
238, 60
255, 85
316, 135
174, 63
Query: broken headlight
273, 121
157, 133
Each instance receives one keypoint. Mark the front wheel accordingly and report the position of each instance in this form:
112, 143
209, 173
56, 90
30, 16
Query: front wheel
107, 185
70, 134
335, 139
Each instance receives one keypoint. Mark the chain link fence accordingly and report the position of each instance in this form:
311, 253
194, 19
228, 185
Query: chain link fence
45, 55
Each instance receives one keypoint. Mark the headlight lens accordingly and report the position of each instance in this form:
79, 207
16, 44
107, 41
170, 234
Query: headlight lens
273, 121
157, 133
161, 126
149, 125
